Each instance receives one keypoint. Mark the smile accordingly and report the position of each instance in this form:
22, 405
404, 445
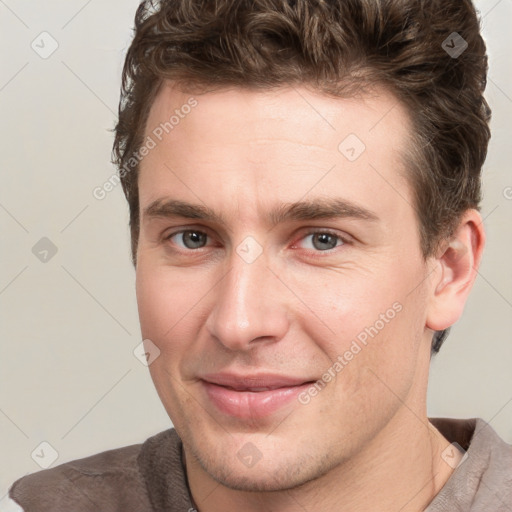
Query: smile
251, 402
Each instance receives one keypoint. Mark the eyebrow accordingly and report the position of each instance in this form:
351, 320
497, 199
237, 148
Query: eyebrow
315, 209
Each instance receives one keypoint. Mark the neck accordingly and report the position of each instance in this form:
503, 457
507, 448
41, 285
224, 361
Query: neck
400, 469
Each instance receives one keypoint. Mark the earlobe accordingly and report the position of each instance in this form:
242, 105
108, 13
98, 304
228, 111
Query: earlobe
455, 272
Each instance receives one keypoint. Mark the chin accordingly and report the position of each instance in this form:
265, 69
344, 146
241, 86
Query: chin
279, 474
253, 480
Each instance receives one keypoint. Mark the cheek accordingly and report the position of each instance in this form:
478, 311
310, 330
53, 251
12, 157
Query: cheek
161, 302
171, 305
343, 304
370, 316
152, 297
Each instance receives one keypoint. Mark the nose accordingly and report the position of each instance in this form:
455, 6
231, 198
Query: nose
249, 306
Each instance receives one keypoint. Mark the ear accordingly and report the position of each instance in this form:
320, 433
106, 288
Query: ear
454, 272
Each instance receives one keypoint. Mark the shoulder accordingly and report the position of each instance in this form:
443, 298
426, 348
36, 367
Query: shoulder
482, 480
106, 481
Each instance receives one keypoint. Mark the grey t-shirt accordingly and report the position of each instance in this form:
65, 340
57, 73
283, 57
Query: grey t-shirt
150, 477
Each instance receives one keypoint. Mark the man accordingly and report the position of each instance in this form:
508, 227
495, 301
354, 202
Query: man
304, 185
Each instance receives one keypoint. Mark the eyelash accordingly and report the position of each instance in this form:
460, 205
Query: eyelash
342, 239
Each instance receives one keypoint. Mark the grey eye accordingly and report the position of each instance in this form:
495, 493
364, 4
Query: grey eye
322, 241
191, 239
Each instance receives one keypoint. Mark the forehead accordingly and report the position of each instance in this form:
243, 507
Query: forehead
237, 111
255, 145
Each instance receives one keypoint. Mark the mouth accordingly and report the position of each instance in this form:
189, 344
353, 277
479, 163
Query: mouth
252, 397
255, 390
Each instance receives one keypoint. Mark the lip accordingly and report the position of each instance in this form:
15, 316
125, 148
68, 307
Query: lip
260, 380
244, 396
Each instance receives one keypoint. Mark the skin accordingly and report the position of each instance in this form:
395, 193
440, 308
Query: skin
364, 442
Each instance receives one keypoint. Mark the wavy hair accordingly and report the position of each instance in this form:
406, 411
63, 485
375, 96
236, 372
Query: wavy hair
339, 47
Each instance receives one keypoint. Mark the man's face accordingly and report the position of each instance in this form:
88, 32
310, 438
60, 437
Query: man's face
247, 298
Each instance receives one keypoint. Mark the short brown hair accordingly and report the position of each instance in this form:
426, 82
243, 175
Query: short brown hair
338, 47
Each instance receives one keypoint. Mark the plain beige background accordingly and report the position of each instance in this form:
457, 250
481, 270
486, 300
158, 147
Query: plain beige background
69, 325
